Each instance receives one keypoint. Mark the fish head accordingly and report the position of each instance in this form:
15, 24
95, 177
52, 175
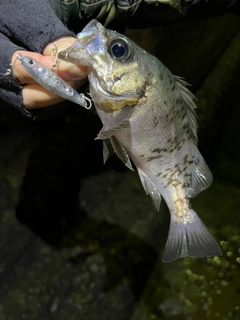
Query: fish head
116, 70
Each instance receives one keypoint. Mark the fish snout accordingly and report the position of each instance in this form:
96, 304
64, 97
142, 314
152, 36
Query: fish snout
89, 36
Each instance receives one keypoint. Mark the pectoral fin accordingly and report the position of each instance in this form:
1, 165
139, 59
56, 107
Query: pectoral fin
150, 189
115, 122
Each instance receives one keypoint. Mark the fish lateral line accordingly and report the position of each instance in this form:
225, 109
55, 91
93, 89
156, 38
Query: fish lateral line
52, 82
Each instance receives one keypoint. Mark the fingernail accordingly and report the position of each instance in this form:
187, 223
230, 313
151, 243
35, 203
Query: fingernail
63, 43
70, 71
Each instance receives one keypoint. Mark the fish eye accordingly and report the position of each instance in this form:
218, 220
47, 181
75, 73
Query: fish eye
120, 49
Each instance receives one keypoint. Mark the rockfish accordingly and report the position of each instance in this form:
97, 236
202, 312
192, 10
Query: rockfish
148, 116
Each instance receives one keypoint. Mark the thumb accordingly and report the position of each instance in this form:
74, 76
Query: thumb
66, 70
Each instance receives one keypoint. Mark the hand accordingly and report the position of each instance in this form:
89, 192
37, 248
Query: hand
36, 96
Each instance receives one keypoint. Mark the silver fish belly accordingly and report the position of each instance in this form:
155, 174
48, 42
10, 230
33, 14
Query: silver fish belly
148, 116
52, 82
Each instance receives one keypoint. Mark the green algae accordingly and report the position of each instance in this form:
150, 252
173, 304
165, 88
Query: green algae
201, 288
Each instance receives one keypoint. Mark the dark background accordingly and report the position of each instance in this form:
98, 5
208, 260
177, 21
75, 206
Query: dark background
81, 240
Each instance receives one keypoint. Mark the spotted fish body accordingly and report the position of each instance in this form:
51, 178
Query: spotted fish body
148, 115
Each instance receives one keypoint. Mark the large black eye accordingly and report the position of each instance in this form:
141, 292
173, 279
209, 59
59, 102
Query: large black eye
120, 49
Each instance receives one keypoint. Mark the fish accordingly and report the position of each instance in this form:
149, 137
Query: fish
149, 119
51, 81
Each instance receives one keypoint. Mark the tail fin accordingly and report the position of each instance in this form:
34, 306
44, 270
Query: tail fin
190, 239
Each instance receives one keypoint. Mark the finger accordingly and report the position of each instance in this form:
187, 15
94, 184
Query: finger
35, 96
19, 71
70, 71
65, 70
60, 43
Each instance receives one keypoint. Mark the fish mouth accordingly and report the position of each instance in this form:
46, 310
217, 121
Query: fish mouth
107, 94
108, 101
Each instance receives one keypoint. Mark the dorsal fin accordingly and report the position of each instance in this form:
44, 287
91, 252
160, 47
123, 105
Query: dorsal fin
201, 175
188, 97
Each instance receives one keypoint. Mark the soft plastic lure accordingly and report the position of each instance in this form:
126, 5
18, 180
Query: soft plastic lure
52, 82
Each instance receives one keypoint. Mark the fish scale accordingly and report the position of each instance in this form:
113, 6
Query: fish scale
148, 116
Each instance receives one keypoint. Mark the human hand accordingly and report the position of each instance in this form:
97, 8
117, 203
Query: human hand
36, 96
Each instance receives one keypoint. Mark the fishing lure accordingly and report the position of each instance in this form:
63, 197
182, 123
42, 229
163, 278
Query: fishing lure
48, 79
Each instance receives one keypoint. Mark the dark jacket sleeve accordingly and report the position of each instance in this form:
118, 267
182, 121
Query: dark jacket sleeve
29, 25
119, 14
152, 13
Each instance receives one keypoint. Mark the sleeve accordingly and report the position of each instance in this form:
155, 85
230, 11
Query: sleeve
26, 25
152, 13
10, 90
